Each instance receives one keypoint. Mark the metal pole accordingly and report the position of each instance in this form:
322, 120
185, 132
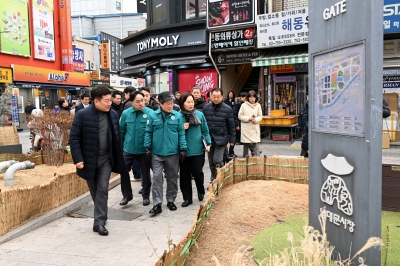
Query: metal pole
212, 60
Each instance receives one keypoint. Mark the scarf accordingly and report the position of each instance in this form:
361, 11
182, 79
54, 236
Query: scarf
191, 117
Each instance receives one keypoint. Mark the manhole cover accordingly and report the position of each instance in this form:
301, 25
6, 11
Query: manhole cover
113, 214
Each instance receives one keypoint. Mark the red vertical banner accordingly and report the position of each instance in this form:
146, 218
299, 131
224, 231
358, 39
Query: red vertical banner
66, 35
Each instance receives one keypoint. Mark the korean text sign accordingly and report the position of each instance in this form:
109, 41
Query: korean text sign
79, 59
105, 55
391, 16
15, 21
232, 39
43, 29
283, 28
228, 13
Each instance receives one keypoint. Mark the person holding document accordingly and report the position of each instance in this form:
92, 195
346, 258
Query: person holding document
198, 141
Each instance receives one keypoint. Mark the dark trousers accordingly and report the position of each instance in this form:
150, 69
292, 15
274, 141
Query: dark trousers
192, 166
126, 187
216, 159
99, 189
136, 170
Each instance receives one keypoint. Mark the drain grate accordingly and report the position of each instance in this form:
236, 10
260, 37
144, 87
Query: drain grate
113, 214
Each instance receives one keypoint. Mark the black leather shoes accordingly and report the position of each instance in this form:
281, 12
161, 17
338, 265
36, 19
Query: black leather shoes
187, 203
100, 229
171, 206
125, 201
146, 202
156, 209
201, 197
141, 191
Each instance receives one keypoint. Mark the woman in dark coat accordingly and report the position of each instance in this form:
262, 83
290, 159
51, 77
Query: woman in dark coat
230, 100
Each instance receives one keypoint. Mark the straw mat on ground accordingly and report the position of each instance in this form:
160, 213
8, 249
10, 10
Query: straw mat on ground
240, 213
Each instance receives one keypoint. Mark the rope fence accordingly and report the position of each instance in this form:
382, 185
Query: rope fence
289, 169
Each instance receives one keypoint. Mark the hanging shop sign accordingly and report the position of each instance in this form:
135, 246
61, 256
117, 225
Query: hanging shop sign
237, 57
79, 60
43, 32
174, 40
5, 75
120, 82
44, 75
15, 20
206, 79
391, 16
105, 62
116, 62
282, 28
288, 68
232, 39
229, 13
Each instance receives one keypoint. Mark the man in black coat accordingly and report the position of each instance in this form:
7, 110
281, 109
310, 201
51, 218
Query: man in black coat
236, 109
221, 125
85, 102
149, 101
29, 108
199, 101
96, 148
116, 103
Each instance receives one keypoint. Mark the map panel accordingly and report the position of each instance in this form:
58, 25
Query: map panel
339, 91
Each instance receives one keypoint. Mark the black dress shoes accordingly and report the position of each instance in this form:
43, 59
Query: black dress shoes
156, 209
100, 229
125, 201
201, 197
141, 191
146, 202
187, 203
171, 206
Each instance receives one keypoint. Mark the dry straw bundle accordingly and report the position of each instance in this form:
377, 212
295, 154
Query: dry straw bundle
8, 136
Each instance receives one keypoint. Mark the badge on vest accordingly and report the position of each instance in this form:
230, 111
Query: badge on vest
172, 117
144, 116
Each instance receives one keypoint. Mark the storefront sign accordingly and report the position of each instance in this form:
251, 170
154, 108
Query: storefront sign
99, 82
141, 6
334, 10
43, 29
175, 40
105, 62
5, 75
287, 68
119, 82
391, 16
79, 59
15, 20
117, 62
229, 13
232, 39
66, 35
44, 75
206, 79
282, 28
237, 57
391, 80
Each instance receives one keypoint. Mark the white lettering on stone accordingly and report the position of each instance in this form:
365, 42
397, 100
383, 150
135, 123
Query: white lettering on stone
335, 10
175, 39
154, 42
162, 41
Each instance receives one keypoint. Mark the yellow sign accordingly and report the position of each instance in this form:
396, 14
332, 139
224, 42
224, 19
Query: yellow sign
5, 75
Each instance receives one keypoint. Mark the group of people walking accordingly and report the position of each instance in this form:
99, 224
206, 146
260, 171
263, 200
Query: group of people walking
169, 137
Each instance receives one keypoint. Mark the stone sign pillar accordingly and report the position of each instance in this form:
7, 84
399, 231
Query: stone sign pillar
345, 116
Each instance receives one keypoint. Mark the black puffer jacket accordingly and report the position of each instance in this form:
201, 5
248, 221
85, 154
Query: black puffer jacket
220, 123
153, 104
304, 141
236, 109
84, 141
385, 109
117, 109
200, 103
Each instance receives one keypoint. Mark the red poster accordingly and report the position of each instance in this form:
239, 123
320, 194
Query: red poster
206, 79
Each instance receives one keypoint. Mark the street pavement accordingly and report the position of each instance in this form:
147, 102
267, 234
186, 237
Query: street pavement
134, 242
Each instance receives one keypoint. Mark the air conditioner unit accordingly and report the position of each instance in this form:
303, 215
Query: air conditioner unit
92, 65
87, 65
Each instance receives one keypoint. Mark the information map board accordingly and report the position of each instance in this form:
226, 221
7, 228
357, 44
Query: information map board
339, 94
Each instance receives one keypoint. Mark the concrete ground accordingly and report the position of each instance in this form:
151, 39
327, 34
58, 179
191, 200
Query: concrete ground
71, 241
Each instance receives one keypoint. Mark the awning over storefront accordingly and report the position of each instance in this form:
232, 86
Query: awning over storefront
136, 69
288, 55
183, 60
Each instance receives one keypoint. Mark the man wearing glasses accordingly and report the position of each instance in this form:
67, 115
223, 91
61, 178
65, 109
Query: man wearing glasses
165, 145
